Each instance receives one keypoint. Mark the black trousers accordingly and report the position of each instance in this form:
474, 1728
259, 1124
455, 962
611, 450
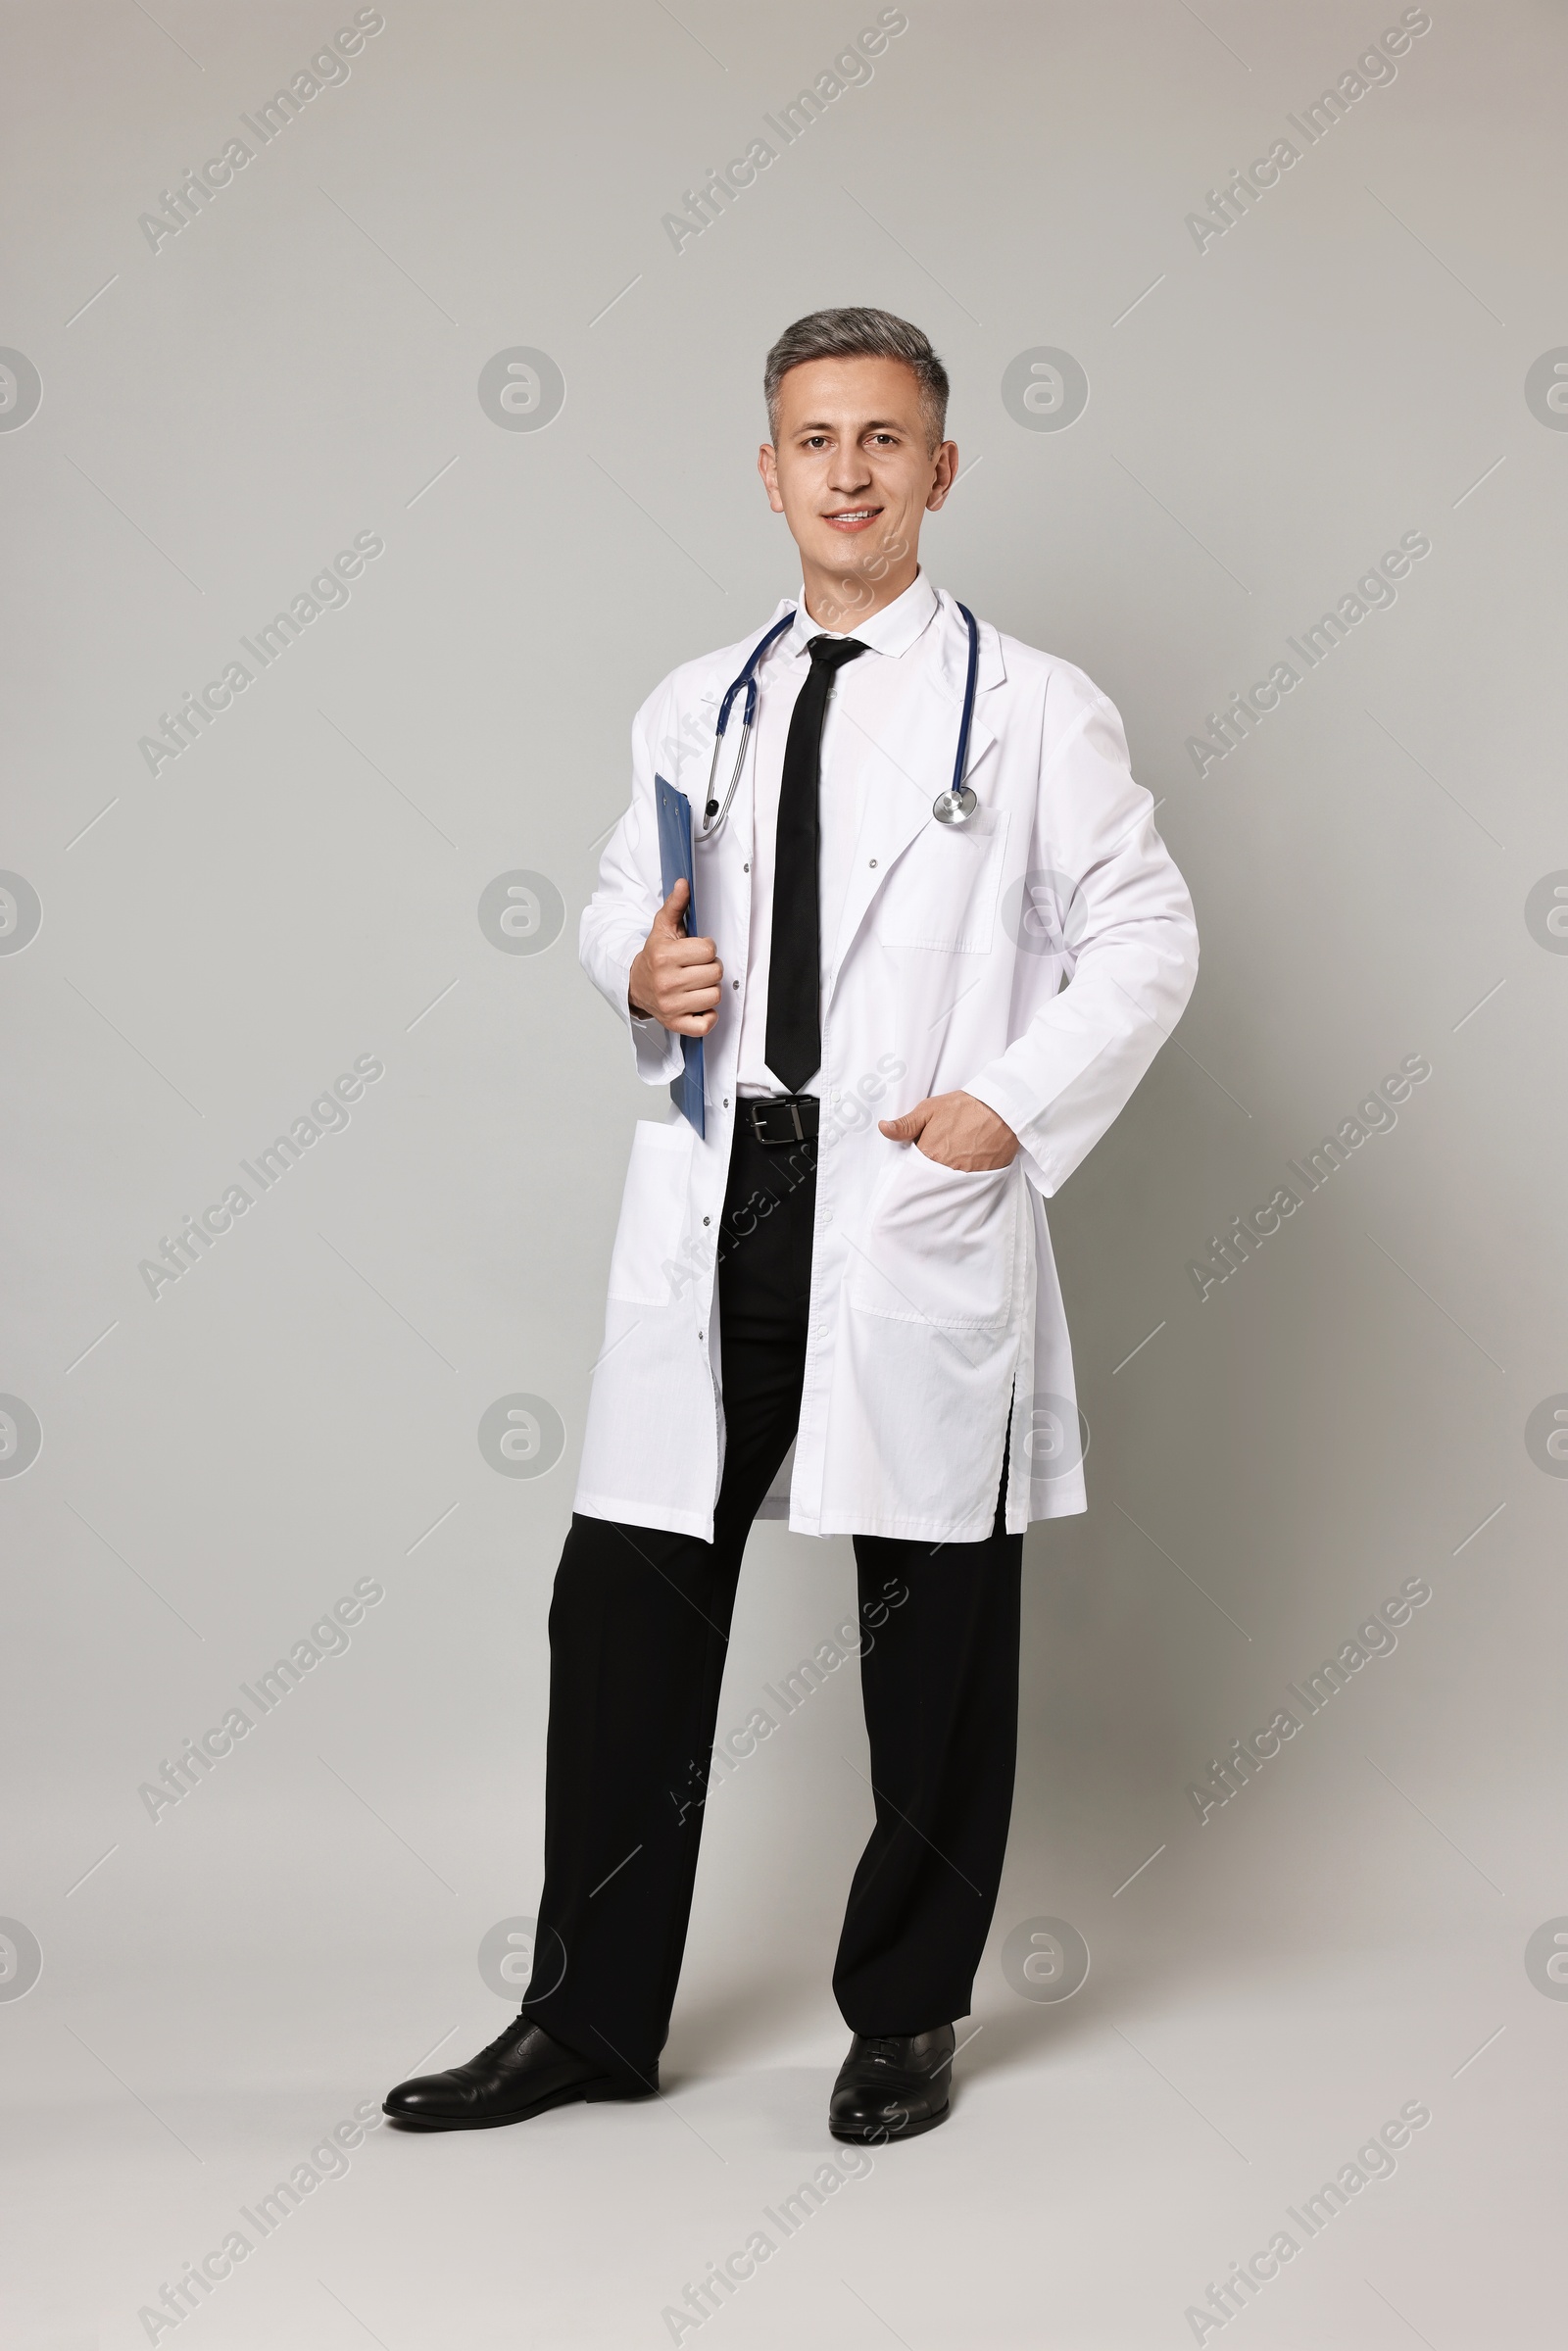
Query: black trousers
639, 1628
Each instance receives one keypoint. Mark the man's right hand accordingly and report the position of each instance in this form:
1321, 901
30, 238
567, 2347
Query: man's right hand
676, 980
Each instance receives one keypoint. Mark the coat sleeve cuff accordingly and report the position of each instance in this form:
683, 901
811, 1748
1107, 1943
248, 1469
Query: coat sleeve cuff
1000, 1088
657, 1048
659, 1053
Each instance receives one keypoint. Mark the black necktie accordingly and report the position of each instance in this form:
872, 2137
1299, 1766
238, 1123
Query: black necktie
794, 1038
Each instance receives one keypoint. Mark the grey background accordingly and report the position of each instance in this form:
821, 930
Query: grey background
302, 885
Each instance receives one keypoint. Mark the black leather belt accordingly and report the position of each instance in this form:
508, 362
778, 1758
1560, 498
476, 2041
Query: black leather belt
781, 1118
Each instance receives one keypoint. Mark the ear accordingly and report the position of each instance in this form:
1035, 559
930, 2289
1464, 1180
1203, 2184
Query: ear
767, 467
947, 468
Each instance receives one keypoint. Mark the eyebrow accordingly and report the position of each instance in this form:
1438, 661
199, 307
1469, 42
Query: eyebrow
876, 425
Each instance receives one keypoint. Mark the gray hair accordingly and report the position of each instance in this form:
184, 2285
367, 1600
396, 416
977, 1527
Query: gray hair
851, 334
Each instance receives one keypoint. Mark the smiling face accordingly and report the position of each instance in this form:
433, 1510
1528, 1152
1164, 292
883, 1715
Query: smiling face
853, 471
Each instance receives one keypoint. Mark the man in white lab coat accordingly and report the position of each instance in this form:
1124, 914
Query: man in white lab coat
838, 1303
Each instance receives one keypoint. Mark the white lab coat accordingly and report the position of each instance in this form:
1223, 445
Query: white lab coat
934, 1293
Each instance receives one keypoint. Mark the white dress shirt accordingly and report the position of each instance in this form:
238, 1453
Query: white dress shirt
862, 691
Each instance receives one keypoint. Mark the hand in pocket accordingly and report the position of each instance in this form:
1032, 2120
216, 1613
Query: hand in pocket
956, 1131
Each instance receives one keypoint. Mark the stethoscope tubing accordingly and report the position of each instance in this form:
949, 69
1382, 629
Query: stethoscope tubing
947, 808
748, 680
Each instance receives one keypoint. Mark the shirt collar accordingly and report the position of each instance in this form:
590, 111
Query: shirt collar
891, 630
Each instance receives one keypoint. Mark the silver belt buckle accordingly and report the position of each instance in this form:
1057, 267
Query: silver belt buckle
762, 1109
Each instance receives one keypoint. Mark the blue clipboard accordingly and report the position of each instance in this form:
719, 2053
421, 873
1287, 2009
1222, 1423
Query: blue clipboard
674, 864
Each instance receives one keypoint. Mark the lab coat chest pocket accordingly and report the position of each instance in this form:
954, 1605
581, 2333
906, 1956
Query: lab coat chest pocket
943, 891
940, 1245
645, 1262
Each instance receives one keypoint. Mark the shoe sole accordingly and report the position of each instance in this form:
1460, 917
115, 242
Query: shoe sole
877, 2135
591, 2093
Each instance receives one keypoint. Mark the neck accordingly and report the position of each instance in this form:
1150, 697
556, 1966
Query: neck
840, 600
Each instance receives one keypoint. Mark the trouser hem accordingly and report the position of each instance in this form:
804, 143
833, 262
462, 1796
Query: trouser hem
594, 2049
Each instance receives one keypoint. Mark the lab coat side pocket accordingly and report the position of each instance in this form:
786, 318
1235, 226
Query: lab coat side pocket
645, 1264
939, 1244
928, 1352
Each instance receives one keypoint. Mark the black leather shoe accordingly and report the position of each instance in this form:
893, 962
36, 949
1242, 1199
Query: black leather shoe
518, 2075
892, 2085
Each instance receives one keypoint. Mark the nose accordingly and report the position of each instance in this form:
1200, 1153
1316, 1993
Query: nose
848, 473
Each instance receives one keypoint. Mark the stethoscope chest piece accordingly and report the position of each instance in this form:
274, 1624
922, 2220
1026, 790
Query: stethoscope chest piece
955, 807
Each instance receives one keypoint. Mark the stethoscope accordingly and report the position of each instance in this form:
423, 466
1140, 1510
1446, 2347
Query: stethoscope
955, 805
